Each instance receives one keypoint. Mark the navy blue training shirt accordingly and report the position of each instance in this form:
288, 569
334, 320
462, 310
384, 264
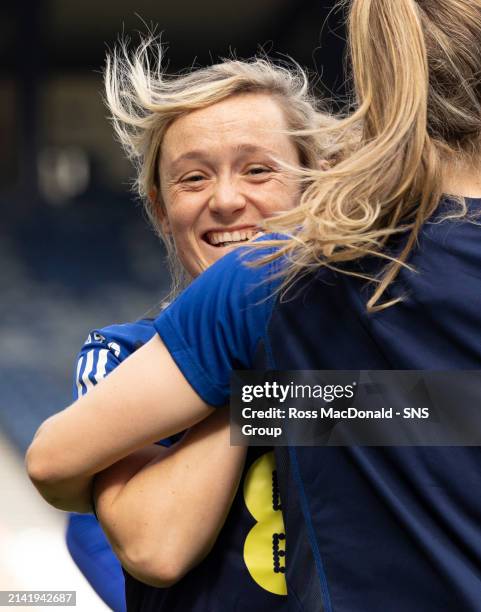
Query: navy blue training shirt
246, 567
368, 529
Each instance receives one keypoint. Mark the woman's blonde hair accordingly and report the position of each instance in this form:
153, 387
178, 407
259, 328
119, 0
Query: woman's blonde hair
143, 101
416, 67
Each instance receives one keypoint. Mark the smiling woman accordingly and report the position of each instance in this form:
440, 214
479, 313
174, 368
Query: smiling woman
211, 149
368, 528
220, 176
214, 139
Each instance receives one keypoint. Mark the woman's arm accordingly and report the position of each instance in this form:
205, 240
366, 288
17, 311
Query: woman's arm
132, 408
152, 505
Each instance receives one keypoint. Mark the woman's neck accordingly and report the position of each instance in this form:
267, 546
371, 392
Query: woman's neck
462, 179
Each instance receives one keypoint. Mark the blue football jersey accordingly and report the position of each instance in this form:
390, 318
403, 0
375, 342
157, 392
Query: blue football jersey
368, 529
246, 567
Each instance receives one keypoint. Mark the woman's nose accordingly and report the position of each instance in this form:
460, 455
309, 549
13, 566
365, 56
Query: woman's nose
227, 198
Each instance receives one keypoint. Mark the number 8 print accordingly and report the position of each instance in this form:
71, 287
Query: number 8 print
265, 545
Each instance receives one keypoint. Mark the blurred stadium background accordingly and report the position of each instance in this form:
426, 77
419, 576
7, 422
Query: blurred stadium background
75, 250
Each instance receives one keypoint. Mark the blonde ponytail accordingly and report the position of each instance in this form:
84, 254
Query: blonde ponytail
392, 183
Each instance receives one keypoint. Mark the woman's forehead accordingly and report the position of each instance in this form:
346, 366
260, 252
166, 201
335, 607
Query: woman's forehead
241, 124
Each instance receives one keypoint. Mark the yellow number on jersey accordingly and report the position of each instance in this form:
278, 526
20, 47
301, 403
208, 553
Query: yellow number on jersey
264, 548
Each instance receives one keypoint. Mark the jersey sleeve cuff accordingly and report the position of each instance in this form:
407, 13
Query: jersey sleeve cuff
211, 392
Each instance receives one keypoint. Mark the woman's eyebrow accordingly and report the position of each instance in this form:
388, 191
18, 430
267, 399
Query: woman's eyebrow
195, 155
202, 155
251, 148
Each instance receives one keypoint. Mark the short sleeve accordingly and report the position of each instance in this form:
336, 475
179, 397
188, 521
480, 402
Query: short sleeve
216, 324
97, 358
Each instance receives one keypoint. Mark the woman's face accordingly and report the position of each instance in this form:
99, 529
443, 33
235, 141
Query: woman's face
219, 177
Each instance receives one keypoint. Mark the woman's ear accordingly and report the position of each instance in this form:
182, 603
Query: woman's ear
159, 210
324, 164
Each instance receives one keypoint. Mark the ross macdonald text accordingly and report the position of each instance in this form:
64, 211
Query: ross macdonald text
333, 413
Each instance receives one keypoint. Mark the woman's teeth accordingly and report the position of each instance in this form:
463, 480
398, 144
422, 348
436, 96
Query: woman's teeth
228, 238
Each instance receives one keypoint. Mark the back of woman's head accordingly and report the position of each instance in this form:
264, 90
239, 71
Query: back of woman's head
403, 49
453, 42
416, 71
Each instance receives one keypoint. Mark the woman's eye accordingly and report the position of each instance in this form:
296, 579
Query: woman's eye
193, 178
256, 170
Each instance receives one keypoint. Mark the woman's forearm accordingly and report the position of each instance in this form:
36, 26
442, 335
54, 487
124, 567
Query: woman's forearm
152, 515
145, 399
